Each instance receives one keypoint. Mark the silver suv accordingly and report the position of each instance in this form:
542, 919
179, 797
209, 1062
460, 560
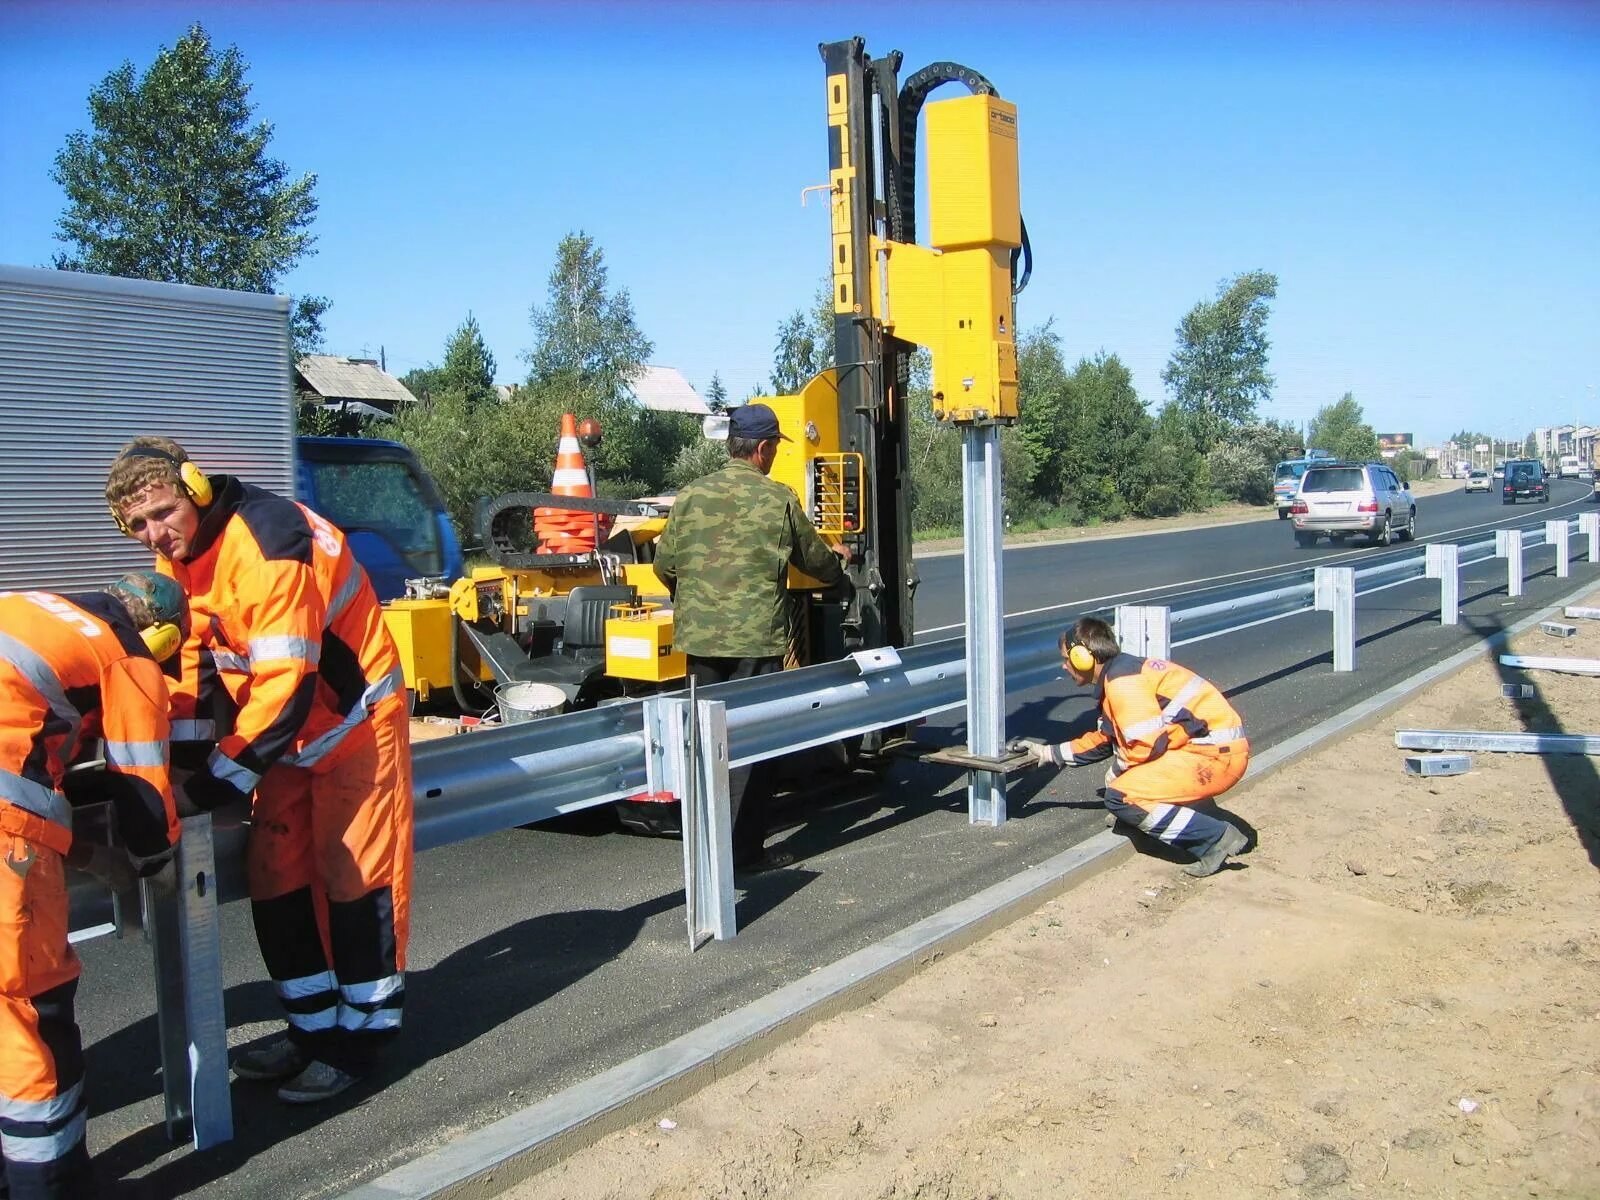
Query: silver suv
1339, 499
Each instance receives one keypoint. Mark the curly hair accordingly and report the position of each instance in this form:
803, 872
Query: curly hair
130, 474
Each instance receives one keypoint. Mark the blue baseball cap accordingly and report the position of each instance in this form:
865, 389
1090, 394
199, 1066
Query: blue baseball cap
754, 421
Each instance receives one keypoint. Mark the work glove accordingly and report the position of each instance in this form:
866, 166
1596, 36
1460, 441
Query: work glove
1041, 753
108, 864
202, 792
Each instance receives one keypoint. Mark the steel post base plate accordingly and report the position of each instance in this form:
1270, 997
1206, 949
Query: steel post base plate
1004, 764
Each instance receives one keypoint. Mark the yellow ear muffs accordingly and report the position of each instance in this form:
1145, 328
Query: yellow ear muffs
1081, 658
162, 640
192, 478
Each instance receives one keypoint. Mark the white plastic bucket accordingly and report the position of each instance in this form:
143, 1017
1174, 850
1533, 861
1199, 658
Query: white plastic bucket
528, 701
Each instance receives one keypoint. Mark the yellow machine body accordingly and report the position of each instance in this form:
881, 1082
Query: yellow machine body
810, 463
422, 631
639, 644
955, 298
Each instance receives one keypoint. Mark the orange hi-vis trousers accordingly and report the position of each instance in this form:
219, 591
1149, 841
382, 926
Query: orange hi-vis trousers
42, 1113
1155, 796
330, 862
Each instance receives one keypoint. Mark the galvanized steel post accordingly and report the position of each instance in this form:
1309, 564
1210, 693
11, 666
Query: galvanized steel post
1335, 591
193, 1031
676, 732
1145, 630
1589, 523
1556, 534
1444, 564
986, 662
1508, 545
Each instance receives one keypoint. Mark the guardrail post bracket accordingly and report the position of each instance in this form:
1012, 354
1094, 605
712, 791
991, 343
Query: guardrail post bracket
1443, 561
1335, 592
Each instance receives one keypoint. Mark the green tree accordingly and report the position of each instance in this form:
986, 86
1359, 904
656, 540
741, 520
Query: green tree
1241, 467
1341, 429
1217, 375
805, 344
716, 394
585, 340
468, 366
175, 183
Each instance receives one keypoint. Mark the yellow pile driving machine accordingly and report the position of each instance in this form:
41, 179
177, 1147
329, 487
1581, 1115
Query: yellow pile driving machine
598, 624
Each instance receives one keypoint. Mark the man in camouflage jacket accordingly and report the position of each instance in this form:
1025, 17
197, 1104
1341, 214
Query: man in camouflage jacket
724, 556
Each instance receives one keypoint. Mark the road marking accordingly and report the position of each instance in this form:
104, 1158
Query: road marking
1189, 586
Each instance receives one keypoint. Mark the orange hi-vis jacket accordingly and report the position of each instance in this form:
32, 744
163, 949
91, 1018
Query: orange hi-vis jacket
288, 621
73, 669
1150, 707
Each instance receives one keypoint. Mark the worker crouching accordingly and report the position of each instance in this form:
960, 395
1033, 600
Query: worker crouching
1173, 738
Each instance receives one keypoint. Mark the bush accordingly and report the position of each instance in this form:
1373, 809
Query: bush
1239, 472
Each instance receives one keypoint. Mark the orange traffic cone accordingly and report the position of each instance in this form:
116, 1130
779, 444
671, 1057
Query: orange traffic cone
562, 530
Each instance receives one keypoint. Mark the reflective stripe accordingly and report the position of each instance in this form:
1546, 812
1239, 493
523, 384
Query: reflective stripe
225, 769
33, 797
268, 649
39, 673
44, 1147
346, 593
371, 993
1155, 816
324, 1018
1145, 728
53, 1109
355, 1020
315, 751
568, 477
1220, 737
305, 985
227, 660
1181, 701
136, 754
1180, 822
194, 731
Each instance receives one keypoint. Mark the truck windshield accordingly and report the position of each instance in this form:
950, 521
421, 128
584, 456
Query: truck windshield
381, 497
1289, 470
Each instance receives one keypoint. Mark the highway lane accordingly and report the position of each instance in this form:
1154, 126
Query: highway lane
543, 956
1055, 576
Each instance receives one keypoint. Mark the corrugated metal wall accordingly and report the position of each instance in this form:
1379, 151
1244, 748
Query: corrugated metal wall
88, 362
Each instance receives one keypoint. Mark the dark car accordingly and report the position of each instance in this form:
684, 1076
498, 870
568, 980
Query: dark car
1525, 480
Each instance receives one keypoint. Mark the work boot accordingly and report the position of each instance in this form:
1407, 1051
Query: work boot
278, 1059
316, 1083
1231, 842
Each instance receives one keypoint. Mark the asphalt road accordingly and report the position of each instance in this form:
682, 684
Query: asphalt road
542, 956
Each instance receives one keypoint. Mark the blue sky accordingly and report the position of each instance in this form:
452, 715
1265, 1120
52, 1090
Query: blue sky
1424, 179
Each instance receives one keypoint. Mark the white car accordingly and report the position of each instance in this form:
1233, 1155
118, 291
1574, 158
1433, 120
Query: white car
1477, 481
1345, 498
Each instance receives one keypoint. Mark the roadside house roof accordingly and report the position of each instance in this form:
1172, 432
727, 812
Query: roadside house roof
664, 389
335, 378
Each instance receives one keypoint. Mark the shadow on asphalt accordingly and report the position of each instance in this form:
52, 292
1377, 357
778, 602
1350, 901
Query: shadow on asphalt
1575, 777
466, 995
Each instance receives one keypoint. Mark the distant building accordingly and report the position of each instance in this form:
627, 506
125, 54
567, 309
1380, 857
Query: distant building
352, 385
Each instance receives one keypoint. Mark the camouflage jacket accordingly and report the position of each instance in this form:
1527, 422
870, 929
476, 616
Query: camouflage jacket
724, 556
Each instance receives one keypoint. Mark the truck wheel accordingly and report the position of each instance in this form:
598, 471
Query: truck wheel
1385, 534
1410, 530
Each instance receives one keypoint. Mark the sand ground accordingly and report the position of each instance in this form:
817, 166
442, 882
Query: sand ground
1396, 993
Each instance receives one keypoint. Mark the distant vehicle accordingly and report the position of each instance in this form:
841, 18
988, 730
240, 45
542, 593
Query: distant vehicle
1340, 499
1286, 478
1525, 480
1586, 473
1500, 470
1478, 481
1569, 466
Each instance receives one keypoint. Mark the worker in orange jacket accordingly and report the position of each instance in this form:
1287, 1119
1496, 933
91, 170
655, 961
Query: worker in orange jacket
287, 620
1173, 739
72, 669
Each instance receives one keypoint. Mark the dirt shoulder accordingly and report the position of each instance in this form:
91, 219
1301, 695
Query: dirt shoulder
1396, 993
1221, 514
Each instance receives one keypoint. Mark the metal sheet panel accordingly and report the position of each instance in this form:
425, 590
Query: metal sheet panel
88, 362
